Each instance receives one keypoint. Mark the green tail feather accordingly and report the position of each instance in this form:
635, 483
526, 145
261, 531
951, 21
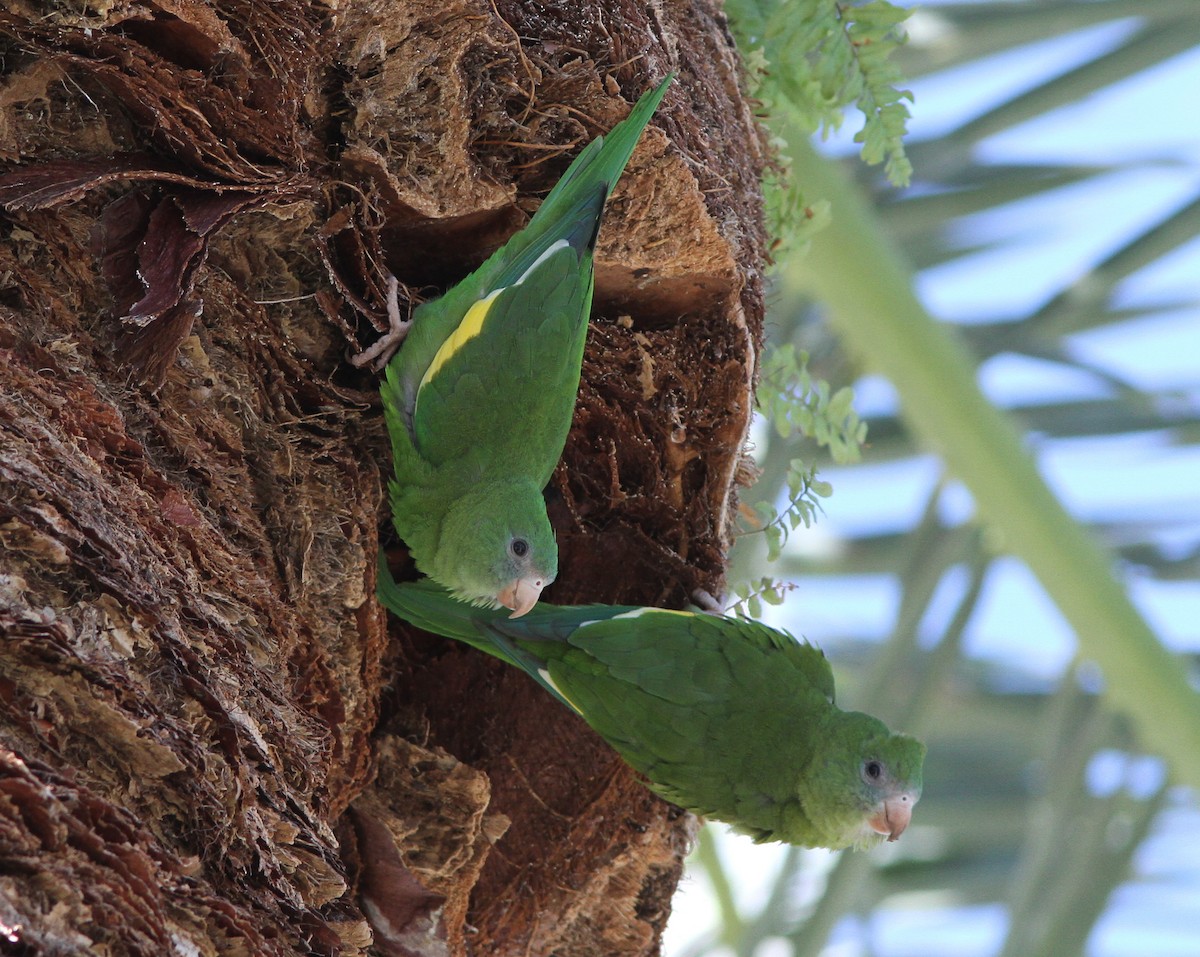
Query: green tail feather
432, 609
571, 202
570, 212
604, 159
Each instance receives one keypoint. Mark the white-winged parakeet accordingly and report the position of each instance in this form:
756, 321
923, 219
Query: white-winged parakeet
725, 717
479, 398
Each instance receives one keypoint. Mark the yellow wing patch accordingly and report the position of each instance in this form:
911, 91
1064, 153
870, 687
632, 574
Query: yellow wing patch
472, 322
545, 674
468, 329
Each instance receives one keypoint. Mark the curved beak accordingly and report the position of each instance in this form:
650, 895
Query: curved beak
521, 595
894, 814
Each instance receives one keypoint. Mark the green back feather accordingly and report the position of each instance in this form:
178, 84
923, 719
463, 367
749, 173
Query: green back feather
479, 399
570, 211
501, 373
723, 716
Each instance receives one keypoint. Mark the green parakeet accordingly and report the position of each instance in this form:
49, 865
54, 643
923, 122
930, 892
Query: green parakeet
728, 718
479, 399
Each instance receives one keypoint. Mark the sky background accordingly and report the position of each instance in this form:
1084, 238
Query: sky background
1035, 248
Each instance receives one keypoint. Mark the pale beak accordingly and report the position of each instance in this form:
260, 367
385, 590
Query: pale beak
893, 817
521, 595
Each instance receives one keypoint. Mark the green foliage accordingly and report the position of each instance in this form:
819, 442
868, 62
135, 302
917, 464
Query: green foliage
1011, 818
794, 402
806, 61
804, 492
750, 596
797, 405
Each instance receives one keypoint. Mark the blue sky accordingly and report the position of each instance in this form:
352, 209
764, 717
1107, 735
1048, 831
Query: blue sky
1036, 248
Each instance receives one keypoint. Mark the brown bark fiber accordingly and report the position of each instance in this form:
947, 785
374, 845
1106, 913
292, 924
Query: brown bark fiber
212, 739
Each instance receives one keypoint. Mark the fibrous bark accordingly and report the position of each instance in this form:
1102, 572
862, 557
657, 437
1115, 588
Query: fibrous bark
212, 740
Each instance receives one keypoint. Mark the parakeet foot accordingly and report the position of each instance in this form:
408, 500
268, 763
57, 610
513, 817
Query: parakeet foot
704, 600
378, 355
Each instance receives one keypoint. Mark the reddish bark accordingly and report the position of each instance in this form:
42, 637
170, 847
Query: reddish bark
210, 741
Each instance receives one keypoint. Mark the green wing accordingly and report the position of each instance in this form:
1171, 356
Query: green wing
508, 386
431, 608
679, 657
720, 714
689, 667
590, 176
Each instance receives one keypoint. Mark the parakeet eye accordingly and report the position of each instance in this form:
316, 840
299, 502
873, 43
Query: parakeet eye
519, 547
872, 770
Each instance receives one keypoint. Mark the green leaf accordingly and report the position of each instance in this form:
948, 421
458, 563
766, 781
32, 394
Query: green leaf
807, 61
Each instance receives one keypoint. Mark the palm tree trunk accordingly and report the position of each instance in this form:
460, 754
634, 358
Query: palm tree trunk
212, 740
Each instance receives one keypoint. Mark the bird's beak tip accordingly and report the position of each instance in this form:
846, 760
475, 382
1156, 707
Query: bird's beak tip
520, 609
521, 595
893, 817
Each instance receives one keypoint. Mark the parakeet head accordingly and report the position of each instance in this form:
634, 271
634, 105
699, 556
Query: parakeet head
864, 781
497, 547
